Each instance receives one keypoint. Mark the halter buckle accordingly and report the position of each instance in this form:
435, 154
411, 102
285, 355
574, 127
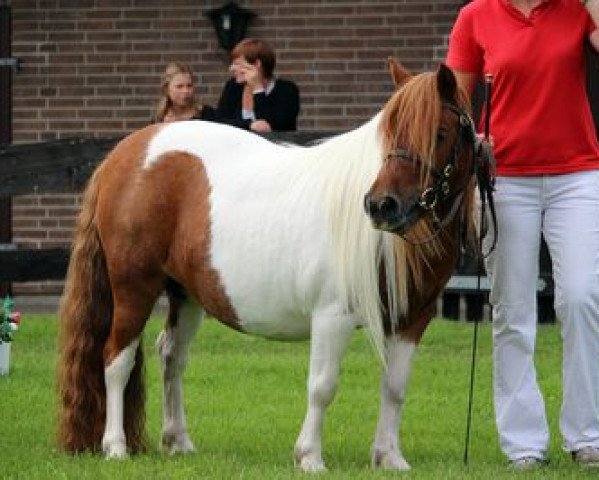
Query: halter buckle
428, 199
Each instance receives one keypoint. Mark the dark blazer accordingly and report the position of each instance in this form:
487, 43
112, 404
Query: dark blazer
279, 108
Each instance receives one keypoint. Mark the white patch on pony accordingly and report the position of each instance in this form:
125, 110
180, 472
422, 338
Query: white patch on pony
116, 376
206, 140
295, 218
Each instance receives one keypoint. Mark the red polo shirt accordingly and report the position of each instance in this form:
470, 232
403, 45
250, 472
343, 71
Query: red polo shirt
541, 121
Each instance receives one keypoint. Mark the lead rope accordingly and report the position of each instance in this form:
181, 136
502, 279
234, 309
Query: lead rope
485, 190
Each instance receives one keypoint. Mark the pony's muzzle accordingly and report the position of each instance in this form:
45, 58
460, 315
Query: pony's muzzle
383, 210
389, 213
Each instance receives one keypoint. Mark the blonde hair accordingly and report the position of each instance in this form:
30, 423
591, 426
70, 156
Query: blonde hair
164, 102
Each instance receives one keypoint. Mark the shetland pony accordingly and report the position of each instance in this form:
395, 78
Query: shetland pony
272, 240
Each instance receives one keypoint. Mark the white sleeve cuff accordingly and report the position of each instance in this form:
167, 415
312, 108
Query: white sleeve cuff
248, 114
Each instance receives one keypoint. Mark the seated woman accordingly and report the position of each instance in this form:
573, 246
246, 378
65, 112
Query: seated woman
177, 97
254, 99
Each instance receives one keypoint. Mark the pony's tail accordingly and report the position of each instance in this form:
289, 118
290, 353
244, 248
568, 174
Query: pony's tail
85, 322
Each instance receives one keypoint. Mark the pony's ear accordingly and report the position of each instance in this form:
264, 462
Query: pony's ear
398, 73
446, 83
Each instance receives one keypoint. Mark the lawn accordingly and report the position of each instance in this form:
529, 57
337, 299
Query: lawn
245, 400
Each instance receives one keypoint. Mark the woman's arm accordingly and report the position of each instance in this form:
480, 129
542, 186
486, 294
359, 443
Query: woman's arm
280, 108
229, 106
466, 81
592, 7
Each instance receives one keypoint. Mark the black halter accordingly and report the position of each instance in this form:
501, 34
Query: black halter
439, 193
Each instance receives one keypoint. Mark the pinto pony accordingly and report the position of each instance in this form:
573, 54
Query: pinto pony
271, 240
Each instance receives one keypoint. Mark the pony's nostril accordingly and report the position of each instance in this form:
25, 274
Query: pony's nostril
388, 205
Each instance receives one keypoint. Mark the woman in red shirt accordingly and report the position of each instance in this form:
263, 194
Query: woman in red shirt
547, 183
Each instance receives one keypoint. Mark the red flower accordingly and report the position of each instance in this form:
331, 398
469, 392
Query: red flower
15, 317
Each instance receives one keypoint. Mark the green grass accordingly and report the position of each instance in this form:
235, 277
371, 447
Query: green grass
245, 400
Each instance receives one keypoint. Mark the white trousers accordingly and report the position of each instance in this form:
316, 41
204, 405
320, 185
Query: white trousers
565, 208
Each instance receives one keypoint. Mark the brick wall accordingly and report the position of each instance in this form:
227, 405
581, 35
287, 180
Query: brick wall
92, 68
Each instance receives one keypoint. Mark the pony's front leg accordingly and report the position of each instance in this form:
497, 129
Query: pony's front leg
329, 338
386, 451
116, 376
173, 346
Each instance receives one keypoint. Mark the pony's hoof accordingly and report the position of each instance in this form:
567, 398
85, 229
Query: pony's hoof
389, 461
310, 463
115, 450
174, 444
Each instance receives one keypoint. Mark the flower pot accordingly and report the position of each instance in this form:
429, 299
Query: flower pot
4, 358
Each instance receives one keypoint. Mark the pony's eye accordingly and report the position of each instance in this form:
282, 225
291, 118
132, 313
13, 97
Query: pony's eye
441, 136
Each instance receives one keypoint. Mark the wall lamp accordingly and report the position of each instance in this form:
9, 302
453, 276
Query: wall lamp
230, 23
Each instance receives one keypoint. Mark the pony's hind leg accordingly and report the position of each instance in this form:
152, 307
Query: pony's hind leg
329, 338
173, 346
116, 376
123, 374
386, 451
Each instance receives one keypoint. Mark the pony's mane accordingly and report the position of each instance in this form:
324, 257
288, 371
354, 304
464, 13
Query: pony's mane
345, 167
342, 169
411, 118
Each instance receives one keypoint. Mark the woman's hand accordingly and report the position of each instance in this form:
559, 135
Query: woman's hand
260, 126
481, 138
247, 73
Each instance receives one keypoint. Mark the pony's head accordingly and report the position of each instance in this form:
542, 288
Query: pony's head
428, 137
